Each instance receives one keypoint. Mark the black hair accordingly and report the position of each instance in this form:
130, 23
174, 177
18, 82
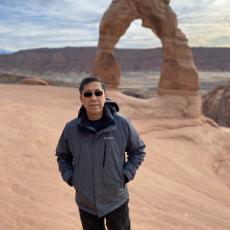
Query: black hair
87, 80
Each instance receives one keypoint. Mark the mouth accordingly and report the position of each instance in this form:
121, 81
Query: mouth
94, 105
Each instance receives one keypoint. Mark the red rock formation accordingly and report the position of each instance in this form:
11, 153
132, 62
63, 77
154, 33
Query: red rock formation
34, 81
216, 104
178, 71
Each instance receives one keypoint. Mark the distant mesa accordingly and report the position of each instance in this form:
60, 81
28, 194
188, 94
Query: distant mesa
77, 60
178, 71
216, 104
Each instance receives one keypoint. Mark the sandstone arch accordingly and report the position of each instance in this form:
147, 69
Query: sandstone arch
178, 71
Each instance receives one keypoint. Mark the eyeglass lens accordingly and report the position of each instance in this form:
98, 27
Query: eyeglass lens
96, 93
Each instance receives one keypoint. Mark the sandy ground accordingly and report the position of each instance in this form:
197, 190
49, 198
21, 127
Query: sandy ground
183, 183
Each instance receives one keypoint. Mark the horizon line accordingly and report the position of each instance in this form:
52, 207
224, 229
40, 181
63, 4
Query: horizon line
66, 47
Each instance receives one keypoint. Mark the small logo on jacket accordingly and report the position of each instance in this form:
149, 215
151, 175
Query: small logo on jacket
108, 138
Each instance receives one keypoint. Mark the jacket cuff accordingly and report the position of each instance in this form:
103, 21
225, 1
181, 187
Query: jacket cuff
67, 177
127, 175
126, 179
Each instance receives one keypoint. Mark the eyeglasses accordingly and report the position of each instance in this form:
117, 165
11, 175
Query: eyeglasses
97, 93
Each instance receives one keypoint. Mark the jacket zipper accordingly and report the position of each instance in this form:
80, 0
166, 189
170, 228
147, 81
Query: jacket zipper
104, 155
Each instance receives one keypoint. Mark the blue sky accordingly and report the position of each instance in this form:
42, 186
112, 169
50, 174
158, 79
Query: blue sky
27, 24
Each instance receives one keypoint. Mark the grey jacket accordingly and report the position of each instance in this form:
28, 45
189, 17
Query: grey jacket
95, 163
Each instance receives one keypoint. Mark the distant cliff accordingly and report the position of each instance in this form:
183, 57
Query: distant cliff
73, 59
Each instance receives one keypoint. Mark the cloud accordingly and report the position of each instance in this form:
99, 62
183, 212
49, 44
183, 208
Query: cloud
136, 35
48, 23
203, 21
57, 23
221, 41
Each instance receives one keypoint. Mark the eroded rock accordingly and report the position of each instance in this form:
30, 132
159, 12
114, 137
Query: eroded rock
34, 81
216, 104
178, 70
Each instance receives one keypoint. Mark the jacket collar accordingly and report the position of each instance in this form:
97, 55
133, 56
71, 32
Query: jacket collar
109, 110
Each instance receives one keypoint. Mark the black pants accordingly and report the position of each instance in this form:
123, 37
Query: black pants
115, 220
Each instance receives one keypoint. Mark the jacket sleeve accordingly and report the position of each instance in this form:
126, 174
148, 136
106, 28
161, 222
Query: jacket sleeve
135, 153
65, 159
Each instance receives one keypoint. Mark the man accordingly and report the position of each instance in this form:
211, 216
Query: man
91, 157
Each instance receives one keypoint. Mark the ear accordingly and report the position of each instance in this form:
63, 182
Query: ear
81, 97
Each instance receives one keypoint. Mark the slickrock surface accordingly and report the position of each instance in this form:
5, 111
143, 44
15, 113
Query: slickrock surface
183, 183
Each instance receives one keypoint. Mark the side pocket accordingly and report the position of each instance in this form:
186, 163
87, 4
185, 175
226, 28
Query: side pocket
76, 169
74, 180
123, 181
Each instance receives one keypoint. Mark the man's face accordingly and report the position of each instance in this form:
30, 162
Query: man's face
93, 104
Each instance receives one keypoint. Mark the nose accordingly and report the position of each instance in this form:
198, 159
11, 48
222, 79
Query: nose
94, 97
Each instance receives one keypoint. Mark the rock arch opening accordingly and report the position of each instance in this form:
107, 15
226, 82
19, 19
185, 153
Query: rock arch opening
138, 37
